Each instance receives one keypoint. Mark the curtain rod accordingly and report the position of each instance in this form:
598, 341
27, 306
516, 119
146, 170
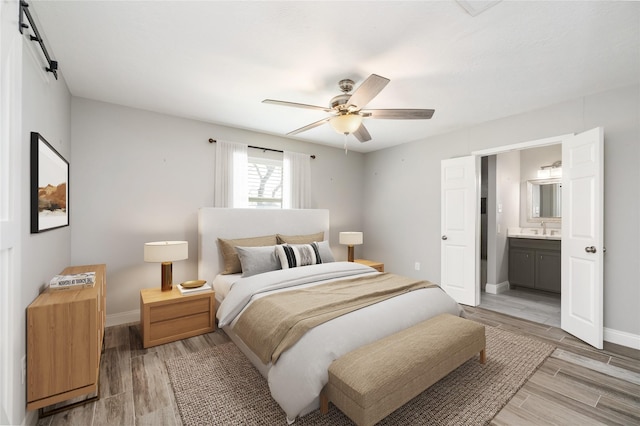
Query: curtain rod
313, 157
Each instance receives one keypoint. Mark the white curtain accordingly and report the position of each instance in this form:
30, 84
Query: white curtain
231, 187
296, 181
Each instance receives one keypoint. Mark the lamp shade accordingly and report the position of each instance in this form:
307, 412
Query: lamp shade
351, 238
346, 123
166, 251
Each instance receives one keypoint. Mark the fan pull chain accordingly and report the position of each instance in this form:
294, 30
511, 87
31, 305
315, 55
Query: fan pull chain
345, 144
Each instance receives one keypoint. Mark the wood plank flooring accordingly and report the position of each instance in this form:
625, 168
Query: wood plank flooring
536, 306
576, 385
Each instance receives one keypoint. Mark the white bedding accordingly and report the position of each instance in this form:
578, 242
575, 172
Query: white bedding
300, 374
222, 285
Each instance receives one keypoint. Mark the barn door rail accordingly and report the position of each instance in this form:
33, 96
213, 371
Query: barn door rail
52, 66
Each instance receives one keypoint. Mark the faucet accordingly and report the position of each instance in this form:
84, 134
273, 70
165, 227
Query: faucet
544, 228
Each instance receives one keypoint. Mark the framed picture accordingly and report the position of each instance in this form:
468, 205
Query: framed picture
49, 186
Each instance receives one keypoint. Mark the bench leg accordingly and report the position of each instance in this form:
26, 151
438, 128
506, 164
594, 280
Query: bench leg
324, 403
483, 356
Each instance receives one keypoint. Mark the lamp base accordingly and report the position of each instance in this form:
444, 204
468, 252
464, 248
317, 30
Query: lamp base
167, 276
350, 250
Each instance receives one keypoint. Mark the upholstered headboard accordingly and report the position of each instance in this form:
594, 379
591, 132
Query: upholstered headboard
214, 223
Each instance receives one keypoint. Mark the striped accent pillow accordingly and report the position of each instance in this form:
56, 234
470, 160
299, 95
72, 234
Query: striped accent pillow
294, 255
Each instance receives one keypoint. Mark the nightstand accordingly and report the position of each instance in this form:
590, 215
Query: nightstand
167, 316
375, 265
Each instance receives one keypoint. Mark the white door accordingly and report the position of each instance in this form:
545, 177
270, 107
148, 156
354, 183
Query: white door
11, 411
582, 236
459, 225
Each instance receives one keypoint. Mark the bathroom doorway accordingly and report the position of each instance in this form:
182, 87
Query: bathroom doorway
506, 207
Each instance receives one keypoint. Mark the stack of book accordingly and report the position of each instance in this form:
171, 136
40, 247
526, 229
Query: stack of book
73, 281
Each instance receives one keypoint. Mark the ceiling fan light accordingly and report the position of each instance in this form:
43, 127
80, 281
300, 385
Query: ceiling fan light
346, 123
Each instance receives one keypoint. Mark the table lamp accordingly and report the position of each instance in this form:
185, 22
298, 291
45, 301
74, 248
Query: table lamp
350, 239
166, 252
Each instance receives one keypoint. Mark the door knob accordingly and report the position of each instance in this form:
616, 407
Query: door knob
444, 237
590, 249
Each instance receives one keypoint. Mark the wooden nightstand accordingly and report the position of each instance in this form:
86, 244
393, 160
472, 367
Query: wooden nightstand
167, 316
375, 265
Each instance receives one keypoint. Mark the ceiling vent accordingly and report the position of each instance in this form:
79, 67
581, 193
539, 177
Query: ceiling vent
476, 7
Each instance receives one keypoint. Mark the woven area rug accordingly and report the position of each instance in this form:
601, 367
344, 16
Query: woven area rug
219, 386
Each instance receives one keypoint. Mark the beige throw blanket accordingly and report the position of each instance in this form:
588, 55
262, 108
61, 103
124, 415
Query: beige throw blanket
272, 324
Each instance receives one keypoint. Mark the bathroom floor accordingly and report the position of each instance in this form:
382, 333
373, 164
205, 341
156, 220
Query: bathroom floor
543, 308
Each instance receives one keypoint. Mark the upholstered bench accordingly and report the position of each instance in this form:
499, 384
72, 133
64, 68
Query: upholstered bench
374, 380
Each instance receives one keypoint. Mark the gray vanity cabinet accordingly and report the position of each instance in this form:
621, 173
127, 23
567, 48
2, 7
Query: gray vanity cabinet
535, 264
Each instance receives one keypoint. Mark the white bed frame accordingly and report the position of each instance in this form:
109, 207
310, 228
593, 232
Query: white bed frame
214, 223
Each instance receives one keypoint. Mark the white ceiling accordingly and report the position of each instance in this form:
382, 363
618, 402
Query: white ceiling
216, 61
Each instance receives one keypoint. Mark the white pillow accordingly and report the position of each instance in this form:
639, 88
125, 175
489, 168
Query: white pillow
325, 252
294, 255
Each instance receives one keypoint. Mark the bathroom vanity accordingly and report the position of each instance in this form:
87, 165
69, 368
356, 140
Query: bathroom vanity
534, 261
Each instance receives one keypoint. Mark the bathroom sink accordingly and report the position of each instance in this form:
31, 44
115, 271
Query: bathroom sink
534, 233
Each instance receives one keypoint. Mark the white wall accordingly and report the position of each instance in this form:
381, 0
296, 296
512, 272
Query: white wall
46, 109
507, 212
139, 176
402, 192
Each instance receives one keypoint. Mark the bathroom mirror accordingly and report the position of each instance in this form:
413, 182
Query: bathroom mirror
544, 201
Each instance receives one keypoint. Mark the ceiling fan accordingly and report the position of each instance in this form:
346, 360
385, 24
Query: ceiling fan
348, 112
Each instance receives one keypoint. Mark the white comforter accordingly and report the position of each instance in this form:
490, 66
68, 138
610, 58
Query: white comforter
300, 374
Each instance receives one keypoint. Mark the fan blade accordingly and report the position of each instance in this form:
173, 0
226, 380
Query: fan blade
399, 114
296, 105
309, 126
362, 134
367, 91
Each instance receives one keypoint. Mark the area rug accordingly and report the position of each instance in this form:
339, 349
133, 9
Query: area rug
219, 386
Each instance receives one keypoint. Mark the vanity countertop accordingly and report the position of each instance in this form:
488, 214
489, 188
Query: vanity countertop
534, 233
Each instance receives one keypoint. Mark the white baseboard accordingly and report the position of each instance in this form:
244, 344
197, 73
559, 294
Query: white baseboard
123, 318
497, 288
30, 418
622, 338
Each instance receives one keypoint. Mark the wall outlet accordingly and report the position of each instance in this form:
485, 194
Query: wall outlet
417, 266
24, 369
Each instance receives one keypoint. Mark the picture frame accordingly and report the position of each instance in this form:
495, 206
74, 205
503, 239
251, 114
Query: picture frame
49, 186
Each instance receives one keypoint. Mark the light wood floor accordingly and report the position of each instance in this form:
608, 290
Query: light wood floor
536, 306
577, 385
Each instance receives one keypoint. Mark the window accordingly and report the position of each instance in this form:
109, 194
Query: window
265, 183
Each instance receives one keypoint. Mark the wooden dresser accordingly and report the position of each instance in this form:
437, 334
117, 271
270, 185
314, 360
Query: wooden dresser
65, 329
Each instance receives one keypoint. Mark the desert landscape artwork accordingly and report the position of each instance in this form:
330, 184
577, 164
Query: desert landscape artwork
49, 186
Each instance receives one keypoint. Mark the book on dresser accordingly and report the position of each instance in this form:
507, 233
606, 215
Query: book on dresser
73, 281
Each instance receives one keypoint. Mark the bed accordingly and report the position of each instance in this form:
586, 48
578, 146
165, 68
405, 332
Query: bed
299, 373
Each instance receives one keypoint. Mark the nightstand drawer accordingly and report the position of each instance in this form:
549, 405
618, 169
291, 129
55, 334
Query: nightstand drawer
178, 309
180, 326
167, 316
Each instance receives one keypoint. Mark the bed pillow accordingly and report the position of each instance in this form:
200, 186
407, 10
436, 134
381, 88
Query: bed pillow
325, 252
300, 239
295, 255
256, 260
230, 256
